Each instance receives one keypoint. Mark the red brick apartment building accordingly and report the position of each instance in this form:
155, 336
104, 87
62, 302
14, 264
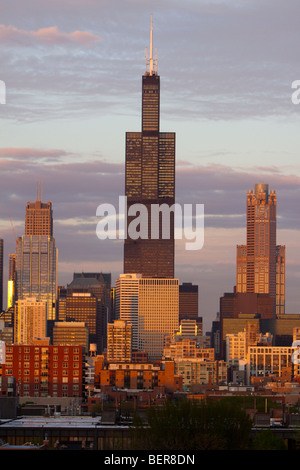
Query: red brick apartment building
45, 370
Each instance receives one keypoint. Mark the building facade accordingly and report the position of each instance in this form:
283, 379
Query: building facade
39, 217
151, 305
45, 370
30, 320
188, 301
261, 263
263, 361
36, 270
69, 333
119, 341
127, 303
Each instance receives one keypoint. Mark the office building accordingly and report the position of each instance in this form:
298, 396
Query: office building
158, 314
87, 308
188, 301
261, 262
30, 320
151, 305
36, 270
150, 182
71, 333
263, 361
127, 303
98, 287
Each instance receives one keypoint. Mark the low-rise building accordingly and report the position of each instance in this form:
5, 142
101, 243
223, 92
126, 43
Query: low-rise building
44, 370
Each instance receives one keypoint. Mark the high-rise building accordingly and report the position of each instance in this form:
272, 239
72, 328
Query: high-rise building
11, 280
71, 333
98, 285
86, 307
30, 321
119, 341
150, 182
39, 217
188, 301
127, 303
261, 263
151, 305
36, 270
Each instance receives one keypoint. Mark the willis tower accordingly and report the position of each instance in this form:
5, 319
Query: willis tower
150, 182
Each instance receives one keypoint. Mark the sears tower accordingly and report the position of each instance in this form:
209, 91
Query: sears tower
150, 182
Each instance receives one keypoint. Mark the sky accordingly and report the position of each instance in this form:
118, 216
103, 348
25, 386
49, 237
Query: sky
73, 72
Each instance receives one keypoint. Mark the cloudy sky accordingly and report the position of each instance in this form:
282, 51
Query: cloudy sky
72, 70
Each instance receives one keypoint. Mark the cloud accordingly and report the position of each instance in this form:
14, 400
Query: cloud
50, 35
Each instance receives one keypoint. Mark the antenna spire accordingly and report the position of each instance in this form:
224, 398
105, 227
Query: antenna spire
151, 60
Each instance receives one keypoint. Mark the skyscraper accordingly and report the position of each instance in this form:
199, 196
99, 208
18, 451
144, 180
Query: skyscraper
39, 217
30, 321
36, 257
36, 270
150, 181
151, 306
261, 263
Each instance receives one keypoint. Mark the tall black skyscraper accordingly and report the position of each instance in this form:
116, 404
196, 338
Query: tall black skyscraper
150, 181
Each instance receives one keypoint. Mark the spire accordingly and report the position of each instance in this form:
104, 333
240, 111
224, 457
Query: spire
151, 60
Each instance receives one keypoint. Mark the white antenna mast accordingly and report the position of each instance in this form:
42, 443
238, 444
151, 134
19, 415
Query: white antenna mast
151, 49
151, 61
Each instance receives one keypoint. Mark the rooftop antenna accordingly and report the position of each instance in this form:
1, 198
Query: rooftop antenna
39, 191
151, 49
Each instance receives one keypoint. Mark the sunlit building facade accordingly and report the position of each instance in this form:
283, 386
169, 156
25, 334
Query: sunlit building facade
30, 321
261, 263
39, 217
36, 270
119, 341
151, 305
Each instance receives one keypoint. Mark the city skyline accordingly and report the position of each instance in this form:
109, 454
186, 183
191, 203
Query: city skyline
231, 132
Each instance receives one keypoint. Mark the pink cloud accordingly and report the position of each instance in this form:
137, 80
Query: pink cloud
50, 35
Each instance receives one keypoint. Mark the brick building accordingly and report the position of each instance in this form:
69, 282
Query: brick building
43, 370
138, 376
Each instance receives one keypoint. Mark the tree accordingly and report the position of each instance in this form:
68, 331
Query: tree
191, 425
266, 440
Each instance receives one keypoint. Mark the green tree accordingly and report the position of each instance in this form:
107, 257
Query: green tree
265, 440
191, 425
